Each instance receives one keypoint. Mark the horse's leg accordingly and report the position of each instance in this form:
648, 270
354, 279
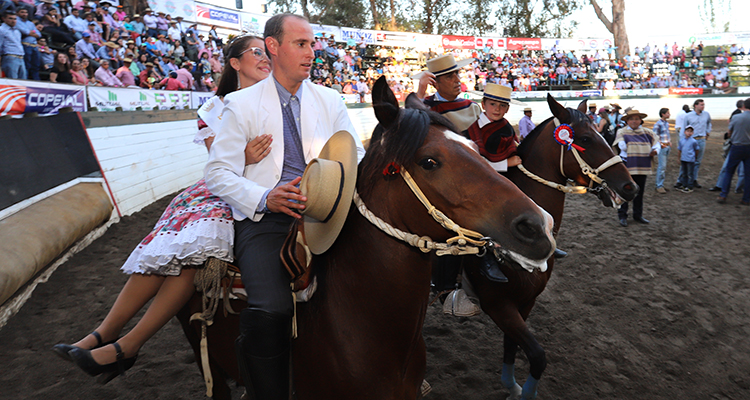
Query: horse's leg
138, 290
173, 293
514, 326
508, 377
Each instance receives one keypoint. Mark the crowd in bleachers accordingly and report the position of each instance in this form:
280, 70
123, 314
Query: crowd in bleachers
95, 43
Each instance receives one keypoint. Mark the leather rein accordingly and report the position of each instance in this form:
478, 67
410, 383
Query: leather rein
586, 169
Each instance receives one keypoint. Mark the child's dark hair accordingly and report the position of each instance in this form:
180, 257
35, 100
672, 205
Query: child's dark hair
663, 111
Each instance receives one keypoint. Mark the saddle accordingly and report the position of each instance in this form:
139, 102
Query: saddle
296, 256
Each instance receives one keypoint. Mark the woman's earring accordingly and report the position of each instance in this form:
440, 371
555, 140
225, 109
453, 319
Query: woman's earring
238, 83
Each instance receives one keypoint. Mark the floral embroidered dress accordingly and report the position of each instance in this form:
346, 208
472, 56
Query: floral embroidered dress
195, 226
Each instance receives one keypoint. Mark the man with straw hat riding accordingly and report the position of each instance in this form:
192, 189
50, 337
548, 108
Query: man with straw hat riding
302, 118
442, 73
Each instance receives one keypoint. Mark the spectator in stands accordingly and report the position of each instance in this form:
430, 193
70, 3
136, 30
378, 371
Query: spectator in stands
525, 125
139, 28
46, 55
60, 72
173, 32
150, 21
109, 52
104, 76
171, 83
88, 69
191, 51
184, 75
216, 67
53, 27
76, 72
124, 74
84, 47
148, 76
43, 8
75, 24
96, 37
29, 36
162, 24
11, 49
180, 25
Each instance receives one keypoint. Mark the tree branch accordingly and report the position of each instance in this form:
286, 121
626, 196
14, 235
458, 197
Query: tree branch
599, 13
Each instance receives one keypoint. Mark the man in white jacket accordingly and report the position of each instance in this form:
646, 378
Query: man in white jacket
264, 196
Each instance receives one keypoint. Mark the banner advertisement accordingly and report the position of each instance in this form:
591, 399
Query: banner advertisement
358, 35
684, 91
491, 42
388, 38
175, 8
211, 15
108, 99
458, 42
637, 92
254, 23
556, 94
18, 97
198, 98
524, 44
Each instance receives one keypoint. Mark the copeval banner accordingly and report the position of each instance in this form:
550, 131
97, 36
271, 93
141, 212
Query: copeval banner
108, 99
211, 15
458, 42
18, 97
524, 44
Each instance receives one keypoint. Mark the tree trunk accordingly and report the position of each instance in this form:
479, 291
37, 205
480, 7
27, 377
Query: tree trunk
616, 26
392, 24
375, 19
305, 11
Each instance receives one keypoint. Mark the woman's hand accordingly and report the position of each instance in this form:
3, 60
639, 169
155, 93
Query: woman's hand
257, 149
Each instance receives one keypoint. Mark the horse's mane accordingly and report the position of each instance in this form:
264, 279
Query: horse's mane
399, 143
576, 117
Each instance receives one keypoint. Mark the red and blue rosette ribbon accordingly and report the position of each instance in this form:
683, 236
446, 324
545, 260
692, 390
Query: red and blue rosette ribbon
565, 135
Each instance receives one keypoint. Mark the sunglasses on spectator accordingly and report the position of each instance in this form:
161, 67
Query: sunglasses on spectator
257, 52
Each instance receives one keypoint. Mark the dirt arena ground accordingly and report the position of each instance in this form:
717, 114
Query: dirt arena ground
655, 311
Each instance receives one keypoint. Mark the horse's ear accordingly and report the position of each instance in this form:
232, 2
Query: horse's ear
412, 101
582, 106
384, 102
560, 112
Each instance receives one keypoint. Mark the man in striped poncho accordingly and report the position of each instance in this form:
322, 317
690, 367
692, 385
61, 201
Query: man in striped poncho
637, 145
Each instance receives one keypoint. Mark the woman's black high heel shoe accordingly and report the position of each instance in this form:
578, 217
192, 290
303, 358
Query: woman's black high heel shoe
63, 349
83, 359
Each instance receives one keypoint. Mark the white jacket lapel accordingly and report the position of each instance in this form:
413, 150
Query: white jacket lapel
271, 120
309, 115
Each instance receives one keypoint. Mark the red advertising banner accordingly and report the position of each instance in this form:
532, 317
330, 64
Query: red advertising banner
491, 42
458, 42
683, 91
524, 43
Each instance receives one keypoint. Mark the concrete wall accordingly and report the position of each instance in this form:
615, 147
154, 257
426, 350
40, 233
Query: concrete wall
143, 162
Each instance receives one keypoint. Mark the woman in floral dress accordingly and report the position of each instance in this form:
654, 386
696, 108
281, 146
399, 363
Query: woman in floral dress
195, 226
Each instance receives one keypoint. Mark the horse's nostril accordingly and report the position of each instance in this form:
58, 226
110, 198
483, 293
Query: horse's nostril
526, 229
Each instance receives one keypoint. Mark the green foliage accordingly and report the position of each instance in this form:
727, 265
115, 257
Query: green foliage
538, 18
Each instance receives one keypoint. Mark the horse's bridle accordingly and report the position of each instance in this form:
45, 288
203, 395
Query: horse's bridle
466, 242
586, 169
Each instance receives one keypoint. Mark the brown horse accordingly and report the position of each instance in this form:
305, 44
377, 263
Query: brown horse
546, 160
360, 336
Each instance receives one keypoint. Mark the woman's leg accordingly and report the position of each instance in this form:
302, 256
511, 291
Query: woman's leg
138, 290
174, 292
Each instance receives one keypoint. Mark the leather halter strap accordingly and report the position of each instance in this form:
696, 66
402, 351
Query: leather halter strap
586, 169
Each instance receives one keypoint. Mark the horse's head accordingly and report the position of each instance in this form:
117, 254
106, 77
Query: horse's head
453, 177
588, 160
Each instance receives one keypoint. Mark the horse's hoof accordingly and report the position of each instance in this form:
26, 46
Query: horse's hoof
515, 393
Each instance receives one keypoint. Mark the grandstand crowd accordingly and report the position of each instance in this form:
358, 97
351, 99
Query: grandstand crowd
96, 43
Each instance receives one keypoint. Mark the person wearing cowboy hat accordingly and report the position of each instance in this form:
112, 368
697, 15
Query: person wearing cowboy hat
637, 146
593, 114
525, 125
150, 20
442, 73
302, 117
124, 74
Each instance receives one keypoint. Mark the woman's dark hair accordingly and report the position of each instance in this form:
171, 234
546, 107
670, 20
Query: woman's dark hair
61, 67
229, 76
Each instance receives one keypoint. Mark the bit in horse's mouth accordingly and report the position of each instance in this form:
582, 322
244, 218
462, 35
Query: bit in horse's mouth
607, 193
517, 261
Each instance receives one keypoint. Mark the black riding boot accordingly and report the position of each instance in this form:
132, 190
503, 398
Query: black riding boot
263, 353
490, 268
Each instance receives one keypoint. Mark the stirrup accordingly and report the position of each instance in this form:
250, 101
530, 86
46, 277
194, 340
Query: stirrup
458, 304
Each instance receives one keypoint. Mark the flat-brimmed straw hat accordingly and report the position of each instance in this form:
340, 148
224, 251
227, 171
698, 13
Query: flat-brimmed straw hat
633, 112
328, 183
500, 93
444, 64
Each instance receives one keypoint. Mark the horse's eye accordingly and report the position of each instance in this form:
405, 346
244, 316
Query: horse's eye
585, 139
428, 164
